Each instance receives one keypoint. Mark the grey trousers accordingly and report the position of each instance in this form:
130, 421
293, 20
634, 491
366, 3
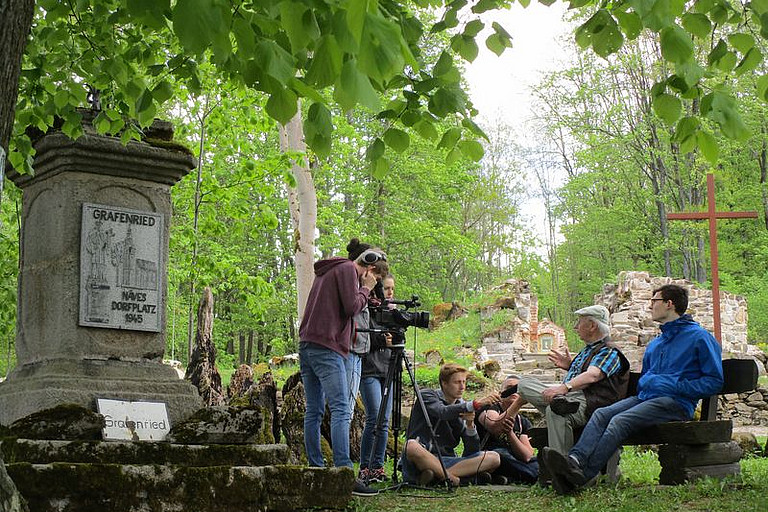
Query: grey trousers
559, 428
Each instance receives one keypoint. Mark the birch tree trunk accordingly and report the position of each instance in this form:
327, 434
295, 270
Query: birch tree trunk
302, 201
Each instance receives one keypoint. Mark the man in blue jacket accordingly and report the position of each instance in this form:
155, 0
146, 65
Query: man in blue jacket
680, 366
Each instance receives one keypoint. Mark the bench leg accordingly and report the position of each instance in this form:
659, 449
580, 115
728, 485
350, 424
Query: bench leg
683, 463
612, 470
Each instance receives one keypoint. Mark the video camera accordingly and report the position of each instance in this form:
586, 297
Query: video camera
398, 320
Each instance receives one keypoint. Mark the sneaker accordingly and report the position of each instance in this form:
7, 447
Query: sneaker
482, 478
426, 477
562, 406
499, 479
365, 475
360, 489
564, 466
377, 475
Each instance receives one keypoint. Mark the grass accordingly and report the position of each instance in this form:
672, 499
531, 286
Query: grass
638, 490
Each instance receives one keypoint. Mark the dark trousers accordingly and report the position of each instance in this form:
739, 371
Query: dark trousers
517, 470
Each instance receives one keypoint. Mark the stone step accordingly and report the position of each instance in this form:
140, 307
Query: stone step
64, 487
123, 452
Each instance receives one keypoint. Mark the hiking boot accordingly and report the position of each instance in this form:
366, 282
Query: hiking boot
426, 477
564, 466
360, 489
562, 406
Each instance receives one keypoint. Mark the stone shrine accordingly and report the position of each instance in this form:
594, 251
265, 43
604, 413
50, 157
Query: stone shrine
93, 279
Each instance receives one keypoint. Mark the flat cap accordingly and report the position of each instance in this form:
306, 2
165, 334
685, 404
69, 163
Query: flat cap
597, 313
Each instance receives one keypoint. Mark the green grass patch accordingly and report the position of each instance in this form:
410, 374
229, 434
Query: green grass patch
636, 491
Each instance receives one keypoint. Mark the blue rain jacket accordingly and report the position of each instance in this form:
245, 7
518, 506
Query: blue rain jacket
684, 362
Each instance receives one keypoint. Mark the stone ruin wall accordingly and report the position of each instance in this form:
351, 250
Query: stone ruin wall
632, 327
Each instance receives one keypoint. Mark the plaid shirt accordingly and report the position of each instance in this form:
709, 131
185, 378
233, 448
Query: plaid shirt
606, 359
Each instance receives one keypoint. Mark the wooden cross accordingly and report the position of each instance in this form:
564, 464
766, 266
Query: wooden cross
712, 216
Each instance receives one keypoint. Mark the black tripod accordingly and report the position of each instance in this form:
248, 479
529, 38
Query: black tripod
393, 385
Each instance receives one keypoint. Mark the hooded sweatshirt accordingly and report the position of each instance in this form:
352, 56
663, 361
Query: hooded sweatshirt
335, 298
684, 362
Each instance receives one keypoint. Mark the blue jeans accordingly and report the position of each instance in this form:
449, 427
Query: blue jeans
611, 425
372, 391
324, 376
353, 367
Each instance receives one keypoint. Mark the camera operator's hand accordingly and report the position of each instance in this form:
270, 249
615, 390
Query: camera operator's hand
368, 279
388, 338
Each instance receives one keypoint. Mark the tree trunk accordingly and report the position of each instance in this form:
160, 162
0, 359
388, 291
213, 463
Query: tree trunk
764, 176
249, 356
241, 359
198, 200
231, 346
15, 21
302, 201
202, 371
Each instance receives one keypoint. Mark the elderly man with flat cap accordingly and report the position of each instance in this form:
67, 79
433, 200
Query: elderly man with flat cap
596, 377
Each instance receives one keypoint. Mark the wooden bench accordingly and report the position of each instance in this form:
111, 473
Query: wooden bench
687, 449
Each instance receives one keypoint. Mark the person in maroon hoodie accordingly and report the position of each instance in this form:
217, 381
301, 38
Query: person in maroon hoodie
339, 292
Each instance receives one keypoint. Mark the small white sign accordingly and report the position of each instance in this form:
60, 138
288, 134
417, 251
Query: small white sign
134, 421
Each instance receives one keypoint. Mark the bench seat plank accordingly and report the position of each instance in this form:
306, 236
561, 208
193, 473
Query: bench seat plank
684, 432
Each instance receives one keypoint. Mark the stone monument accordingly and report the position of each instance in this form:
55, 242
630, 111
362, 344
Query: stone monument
92, 283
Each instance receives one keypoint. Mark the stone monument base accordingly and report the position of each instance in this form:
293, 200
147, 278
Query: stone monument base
78, 476
45, 384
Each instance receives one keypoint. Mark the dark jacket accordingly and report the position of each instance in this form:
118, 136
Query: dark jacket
376, 361
610, 389
335, 298
684, 362
448, 425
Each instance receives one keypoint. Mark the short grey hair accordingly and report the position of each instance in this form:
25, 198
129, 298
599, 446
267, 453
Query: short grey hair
602, 328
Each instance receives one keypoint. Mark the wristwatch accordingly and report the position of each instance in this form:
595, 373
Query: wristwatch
568, 386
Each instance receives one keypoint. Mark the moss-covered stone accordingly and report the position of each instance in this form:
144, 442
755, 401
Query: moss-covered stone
65, 422
127, 452
98, 487
10, 499
225, 425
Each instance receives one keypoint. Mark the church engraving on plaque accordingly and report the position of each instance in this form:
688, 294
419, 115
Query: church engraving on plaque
120, 258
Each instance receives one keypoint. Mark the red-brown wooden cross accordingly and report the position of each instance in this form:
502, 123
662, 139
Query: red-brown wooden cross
712, 216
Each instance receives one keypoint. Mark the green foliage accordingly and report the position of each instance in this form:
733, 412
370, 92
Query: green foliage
132, 51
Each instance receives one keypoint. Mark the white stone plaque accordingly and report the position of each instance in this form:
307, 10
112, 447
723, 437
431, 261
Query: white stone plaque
134, 421
120, 262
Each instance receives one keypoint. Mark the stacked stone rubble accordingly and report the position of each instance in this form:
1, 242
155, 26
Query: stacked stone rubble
632, 326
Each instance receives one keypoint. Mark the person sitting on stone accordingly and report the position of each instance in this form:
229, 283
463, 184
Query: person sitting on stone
453, 421
596, 377
503, 430
680, 366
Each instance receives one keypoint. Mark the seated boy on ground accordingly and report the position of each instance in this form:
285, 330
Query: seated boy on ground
453, 420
